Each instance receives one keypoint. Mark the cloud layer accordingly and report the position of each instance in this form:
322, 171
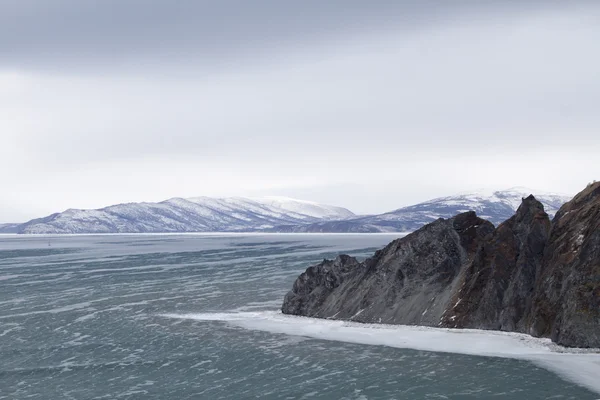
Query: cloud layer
369, 105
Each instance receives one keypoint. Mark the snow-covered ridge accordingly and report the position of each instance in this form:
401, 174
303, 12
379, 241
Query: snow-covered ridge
198, 214
496, 206
280, 214
9, 228
305, 207
511, 197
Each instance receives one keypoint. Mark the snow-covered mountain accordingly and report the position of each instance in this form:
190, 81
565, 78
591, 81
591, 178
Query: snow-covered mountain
9, 228
200, 214
495, 206
279, 214
305, 207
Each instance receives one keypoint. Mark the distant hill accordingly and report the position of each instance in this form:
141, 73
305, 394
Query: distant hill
9, 228
200, 214
495, 206
276, 214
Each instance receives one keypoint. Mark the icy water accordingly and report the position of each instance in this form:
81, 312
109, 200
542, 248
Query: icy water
194, 317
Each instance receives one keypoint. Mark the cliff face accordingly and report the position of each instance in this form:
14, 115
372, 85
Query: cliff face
410, 281
498, 284
528, 275
567, 299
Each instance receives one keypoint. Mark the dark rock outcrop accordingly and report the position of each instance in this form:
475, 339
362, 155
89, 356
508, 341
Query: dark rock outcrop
528, 275
566, 305
410, 281
498, 285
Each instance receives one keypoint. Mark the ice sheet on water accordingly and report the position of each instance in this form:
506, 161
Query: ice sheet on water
578, 365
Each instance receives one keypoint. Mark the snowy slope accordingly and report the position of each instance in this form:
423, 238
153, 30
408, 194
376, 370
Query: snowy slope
200, 214
280, 214
304, 207
9, 228
495, 206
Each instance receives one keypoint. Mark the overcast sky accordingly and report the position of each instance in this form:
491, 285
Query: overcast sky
370, 105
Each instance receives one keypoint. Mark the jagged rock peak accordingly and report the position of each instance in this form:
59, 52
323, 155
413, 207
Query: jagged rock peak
530, 206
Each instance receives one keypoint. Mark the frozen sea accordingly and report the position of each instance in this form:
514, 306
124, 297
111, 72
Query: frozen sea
196, 317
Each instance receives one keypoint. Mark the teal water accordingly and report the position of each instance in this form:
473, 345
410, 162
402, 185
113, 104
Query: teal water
83, 317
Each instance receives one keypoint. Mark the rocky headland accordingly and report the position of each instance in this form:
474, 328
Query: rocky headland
529, 275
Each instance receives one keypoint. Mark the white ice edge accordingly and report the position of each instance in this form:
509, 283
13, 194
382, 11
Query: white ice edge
580, 366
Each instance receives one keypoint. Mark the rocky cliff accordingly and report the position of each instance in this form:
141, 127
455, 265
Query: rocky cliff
528, 275
496, 292
566, 305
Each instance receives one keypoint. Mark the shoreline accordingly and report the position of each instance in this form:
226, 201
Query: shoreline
580, 366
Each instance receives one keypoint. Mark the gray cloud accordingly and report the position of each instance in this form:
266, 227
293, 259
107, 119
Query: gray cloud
371, 105
139, 33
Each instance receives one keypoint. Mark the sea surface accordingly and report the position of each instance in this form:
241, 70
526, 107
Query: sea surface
158, 317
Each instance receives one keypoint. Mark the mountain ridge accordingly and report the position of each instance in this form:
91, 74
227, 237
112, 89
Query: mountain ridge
273, 214
495, 206
197, 214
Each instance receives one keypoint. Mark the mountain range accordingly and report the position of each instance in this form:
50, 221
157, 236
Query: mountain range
199, 214
275, 214
495, 206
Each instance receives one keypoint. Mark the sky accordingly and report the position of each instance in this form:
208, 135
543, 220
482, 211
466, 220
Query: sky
370, 105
